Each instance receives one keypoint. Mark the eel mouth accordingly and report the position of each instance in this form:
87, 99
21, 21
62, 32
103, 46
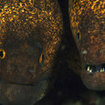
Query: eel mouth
93, 76
95, 68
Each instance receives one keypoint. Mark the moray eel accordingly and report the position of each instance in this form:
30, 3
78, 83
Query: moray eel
30, 34
87, 22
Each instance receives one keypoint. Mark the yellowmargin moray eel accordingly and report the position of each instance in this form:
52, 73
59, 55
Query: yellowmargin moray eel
87, 20
30, 34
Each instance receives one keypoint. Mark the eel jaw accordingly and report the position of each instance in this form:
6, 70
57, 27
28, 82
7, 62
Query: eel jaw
93, 76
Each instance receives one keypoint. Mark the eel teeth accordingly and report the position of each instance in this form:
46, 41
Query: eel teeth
91, 70
101, 70
88, 68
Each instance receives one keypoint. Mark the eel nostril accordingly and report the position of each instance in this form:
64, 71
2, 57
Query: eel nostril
12, 67
30, 69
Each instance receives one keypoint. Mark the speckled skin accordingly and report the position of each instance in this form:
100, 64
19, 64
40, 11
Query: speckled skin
30, 34
87, 19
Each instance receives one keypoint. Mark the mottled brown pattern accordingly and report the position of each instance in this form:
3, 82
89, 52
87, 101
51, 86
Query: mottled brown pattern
88, 17
28, 28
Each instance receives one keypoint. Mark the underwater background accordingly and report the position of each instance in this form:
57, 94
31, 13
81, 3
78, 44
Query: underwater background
67, 88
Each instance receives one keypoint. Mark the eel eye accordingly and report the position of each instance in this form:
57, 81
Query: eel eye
41, 59
2, 54
78, 35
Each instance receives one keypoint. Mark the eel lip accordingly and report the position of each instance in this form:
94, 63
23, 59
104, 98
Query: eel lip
93, 76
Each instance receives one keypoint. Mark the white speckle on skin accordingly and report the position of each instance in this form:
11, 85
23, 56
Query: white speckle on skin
84, 52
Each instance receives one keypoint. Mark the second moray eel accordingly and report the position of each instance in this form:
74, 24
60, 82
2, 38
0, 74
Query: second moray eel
87, 19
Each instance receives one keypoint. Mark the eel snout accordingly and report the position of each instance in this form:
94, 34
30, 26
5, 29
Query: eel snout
93, 76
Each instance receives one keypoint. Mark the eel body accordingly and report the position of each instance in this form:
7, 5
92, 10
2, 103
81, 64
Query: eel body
87, 21
30, 34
